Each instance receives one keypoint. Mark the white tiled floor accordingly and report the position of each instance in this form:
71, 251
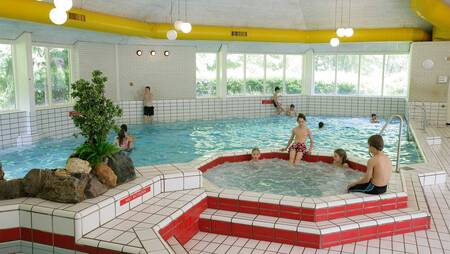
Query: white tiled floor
435, 197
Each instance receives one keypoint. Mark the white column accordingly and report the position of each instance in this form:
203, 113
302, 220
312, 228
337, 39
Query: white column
308, 62
25, 88
222, 79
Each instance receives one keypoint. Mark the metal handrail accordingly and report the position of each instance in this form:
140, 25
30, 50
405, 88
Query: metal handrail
399, 138
424, 117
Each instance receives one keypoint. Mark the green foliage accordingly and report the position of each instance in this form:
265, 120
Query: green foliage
254, 86
270, 85
206, 88
294, 86
97, 113
346, 88
235, 87
59, 74
323, 88
7, 88
95, 153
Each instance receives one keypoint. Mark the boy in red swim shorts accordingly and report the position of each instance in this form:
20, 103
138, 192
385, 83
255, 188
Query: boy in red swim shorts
300, 133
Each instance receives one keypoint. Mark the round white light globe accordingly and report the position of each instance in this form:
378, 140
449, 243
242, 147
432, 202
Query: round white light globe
64, 5
178, 24
186, 27
348, 32
334, 42
58, 16
340, 32
172, 35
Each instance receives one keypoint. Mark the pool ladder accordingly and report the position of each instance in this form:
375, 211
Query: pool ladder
397, 164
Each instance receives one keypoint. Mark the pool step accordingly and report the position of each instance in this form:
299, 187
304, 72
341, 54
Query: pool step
321, 234
306, 209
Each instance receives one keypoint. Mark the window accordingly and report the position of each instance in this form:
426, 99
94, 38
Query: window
324, 74
371, 78
368, 75
7, 87
235, 74
395, 75
206, 74
294, 71
254, 73
274, 72
51, 69
347, 74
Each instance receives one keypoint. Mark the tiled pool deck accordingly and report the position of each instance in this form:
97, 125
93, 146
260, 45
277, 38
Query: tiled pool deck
141, 218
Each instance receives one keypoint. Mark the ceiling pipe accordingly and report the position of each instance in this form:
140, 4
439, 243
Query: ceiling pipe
34, 11
436, 12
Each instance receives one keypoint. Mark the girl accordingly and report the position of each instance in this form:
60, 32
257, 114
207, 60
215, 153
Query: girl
340, 158
123, 141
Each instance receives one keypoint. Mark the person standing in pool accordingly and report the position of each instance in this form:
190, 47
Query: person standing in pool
291, 112
275, 100
379, 170
149, 109
300, 133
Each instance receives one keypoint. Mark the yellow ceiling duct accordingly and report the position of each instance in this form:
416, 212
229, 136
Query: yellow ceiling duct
437, 13
34, 11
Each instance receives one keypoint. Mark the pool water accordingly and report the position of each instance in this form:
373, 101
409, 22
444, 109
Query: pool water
307, 179
162, 143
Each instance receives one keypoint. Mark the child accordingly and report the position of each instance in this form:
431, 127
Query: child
298, 149
321, 124
379, 170
374, 119
275, 101
340, 158
123, 142
124, 127
256, 153
291, 111
149, 109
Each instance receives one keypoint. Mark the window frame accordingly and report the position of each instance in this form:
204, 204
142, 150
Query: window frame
48, 87
13, 59
383, 54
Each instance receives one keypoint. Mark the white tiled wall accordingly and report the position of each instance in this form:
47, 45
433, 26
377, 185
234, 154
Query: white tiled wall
436, 113
57, 123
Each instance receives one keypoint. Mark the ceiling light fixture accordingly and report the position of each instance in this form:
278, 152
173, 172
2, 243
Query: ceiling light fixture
349, 31
186, 27
139, 52
166, 53
153, 53
171, 34
334, 42
58, 16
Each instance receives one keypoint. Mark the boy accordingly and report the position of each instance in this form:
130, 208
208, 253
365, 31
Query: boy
275, 101
374, 119
291, 111
379, 170
298, 149
256, 153
149, 109
321, 124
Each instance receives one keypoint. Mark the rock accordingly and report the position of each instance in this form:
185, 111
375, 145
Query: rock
76, 165
94, 187
64, 189
105, 175
34, 181
122, 166
12, 189
2, 174
62, 173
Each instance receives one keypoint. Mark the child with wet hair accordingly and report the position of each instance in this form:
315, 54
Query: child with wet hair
340, 158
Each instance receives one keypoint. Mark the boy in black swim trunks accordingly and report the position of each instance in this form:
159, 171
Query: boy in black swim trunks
275, 101
379, 170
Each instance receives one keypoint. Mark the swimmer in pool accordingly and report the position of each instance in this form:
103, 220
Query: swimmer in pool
379, 170
256, 154
374, 118
340, 158
275, 100
124, 142
291, 111
300, 133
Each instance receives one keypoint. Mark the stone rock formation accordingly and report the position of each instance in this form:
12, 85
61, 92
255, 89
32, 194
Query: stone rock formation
105, 175
64, 189
34, 179
76, 165
94, 187
11, 189
2, 174
122, 166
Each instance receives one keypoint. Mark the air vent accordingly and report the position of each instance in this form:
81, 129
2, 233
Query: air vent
239, 33
77, 17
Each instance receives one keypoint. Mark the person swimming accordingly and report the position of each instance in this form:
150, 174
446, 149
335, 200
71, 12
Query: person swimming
124, 142
321, 125
379, 170
300, 133
256, 154
340, 158
291, 111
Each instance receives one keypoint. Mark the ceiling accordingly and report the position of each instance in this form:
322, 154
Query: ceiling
284, 14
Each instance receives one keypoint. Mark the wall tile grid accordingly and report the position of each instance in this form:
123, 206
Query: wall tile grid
436, 112
11, 125
55, 122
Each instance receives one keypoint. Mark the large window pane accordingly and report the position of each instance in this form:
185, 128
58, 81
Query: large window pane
235, 74
206, 64
254, 72
274, 72
7, 88
294, 65
396, 75
371, 75
324, 74
347, 74
59, 75
40, 75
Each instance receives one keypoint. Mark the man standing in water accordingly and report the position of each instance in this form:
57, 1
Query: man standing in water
149, 109
379, 170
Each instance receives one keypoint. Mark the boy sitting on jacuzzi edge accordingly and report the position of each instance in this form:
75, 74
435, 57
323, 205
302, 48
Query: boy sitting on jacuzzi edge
379, 169
298, 148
